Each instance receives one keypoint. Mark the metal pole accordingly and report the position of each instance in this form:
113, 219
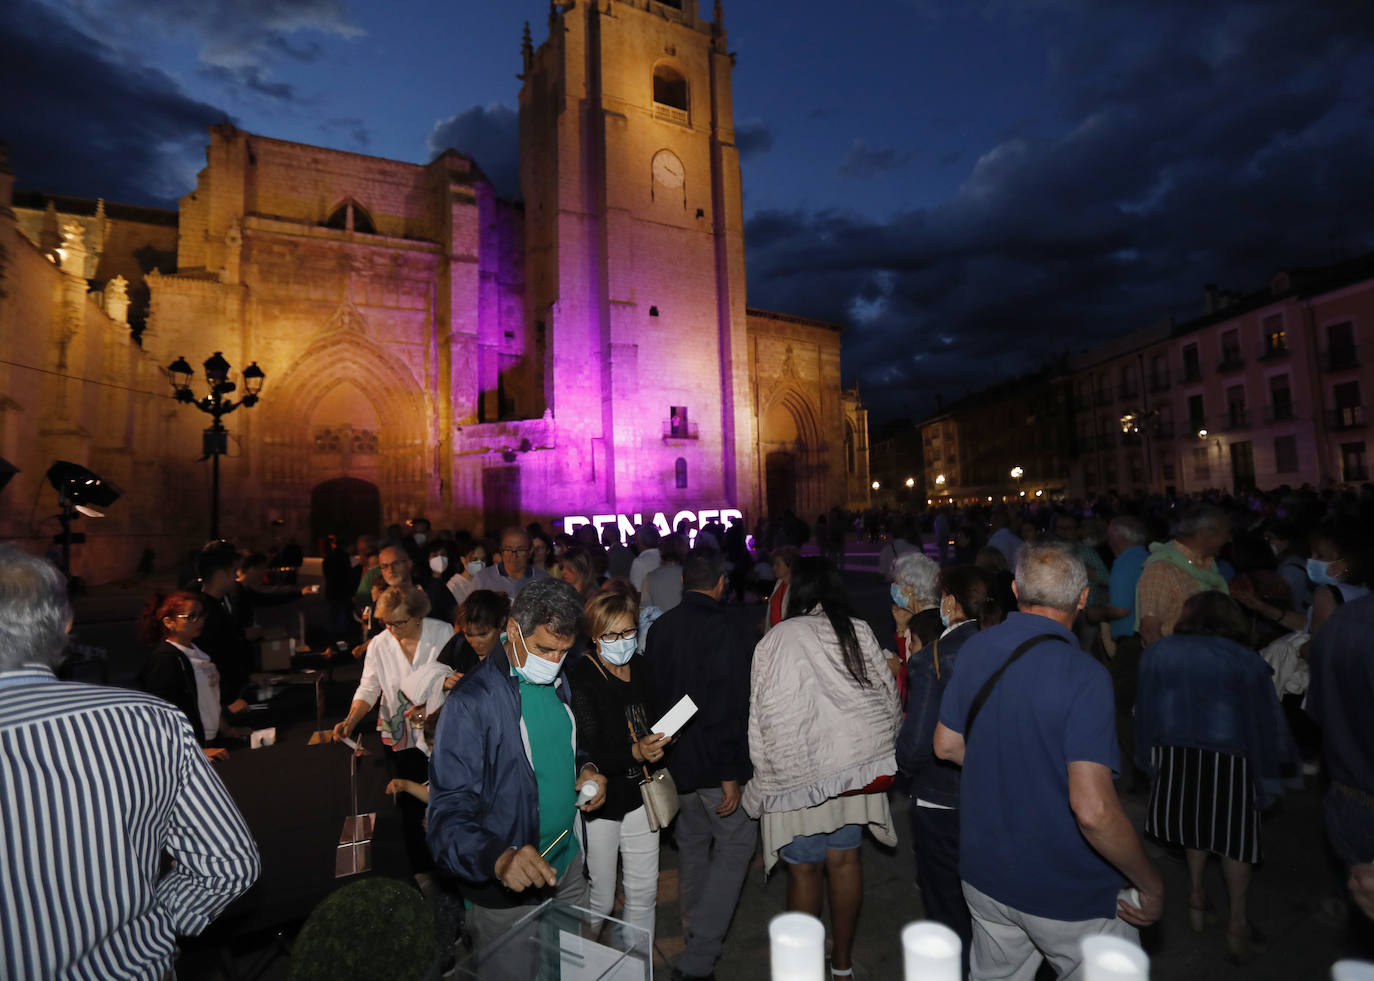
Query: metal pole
214, 487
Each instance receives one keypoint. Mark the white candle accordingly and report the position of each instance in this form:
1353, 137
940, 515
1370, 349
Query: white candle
930, 952
1352, 971
797, 947
1113, 959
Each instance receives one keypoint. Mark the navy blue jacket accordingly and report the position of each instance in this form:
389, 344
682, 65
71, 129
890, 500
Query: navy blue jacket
694, 649
1211, 693
483, 798
934, 780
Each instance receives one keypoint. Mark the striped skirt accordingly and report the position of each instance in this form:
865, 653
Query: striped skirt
1204, 801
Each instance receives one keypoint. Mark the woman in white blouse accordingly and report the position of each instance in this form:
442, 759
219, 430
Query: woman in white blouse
410, 642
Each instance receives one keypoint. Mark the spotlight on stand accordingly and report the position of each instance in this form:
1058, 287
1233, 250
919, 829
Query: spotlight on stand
79, 491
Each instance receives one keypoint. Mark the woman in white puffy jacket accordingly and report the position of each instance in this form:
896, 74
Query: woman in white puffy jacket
823, 720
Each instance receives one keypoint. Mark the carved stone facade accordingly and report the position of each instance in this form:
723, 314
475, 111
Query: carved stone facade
432, 349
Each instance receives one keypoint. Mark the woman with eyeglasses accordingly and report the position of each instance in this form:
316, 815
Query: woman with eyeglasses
409, 641
610, 695
178, 671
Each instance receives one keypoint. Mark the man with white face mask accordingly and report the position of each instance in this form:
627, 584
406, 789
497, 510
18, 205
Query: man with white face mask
506, 770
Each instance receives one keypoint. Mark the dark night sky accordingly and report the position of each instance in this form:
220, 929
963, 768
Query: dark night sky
971, 185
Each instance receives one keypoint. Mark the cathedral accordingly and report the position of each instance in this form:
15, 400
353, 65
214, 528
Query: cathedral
586, 353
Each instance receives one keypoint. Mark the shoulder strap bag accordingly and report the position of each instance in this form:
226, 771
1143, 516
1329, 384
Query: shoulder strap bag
657, 789
988, 685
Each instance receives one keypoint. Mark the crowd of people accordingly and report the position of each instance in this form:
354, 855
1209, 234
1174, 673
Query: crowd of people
1205, 655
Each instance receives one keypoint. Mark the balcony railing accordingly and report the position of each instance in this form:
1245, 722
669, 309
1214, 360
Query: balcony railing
671, 113
1280, 412
1230, 361
1350, 417
1192, 372
1339, 359
1237, 418
1274, 351
679, 429
1159, 382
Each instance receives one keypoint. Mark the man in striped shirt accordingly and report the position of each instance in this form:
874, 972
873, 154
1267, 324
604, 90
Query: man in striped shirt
100, 790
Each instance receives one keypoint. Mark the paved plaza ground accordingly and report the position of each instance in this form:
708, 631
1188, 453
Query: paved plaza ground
1286, 897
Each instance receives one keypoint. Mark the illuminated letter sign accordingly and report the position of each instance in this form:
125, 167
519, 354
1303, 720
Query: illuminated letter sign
625, 524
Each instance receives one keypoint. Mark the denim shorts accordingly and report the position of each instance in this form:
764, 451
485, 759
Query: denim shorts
810, 849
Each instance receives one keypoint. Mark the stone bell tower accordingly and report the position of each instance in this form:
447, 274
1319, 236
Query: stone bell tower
635, 255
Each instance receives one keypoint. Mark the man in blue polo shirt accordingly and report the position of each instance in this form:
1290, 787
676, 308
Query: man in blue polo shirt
1044, 843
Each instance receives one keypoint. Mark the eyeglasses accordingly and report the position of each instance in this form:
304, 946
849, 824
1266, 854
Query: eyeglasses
622, 635
523, 550
399, 563
398, 624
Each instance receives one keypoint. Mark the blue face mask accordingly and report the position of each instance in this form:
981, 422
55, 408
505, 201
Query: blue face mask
537, 670
944, 619
1318, 572
898, 597
618, 652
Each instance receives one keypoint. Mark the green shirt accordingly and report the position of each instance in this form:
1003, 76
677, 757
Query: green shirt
549, 728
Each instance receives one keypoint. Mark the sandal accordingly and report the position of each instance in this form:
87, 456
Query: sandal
1201, 918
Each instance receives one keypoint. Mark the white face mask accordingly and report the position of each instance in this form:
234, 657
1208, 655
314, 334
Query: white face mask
438, 563
420, 537
537, 670
475, 566
619, 651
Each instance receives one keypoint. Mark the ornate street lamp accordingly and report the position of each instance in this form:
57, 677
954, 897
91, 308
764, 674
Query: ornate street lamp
215, 440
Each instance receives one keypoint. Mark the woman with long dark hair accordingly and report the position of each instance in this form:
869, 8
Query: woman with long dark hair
823, 716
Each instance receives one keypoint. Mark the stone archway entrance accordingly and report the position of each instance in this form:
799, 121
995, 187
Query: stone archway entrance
345, 506
793, 457
780, 474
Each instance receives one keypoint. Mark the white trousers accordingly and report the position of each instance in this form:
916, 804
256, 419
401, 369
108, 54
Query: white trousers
636, 846
1008, 945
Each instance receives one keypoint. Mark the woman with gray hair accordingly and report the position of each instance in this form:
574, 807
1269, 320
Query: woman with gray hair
409, 643
915, 610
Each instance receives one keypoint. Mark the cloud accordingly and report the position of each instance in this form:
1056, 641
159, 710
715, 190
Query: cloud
239, 40
753, 138
1188, 160
252, 78
353, 127
864, 162
488, 134
111, 129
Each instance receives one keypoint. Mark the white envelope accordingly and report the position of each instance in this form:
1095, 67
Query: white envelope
676, 717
